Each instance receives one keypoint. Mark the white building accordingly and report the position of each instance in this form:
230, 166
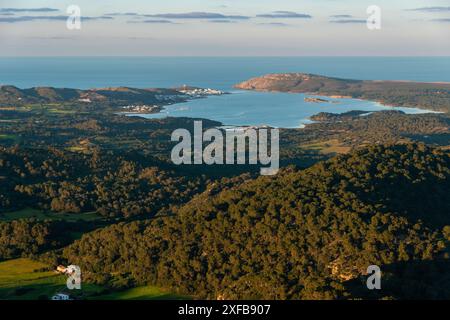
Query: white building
61, 296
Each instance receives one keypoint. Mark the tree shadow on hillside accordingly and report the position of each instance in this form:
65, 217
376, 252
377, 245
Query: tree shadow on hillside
31, 292
426, 200
412, 280
441, 139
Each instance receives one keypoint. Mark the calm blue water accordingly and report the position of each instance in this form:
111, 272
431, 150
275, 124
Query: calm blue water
282, 110
240, 108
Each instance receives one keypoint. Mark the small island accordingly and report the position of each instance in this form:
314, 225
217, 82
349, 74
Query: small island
315, 100
320, 100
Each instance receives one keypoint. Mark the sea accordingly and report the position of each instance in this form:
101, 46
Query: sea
239, 107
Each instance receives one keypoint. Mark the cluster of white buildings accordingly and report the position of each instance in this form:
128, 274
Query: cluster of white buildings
61, 297
185, 93
199, 92
141, 108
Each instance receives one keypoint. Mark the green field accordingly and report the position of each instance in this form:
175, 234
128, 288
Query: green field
327, 147
9, 137
25, 279
141, 293
22, 279
52, 108
42, 215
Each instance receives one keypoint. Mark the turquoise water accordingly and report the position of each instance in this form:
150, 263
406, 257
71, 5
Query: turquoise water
282, 110
239, 108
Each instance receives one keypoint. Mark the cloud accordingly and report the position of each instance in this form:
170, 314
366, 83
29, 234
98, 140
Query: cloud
152, 21
127, 14
349, 21
275, 24
341, 16
441, 20
222, 21
15, 19
284, 15
196, 15
97, 18
28, 10
431, 9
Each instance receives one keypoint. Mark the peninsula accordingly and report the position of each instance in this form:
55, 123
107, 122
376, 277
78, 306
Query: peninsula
425, 95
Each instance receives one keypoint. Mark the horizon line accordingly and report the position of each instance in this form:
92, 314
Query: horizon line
229, 56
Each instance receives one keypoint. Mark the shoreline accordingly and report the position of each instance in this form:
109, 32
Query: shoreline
393, 93
321, 95
164, 113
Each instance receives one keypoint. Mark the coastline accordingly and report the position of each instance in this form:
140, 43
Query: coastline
408, 94
302, 122
333, 96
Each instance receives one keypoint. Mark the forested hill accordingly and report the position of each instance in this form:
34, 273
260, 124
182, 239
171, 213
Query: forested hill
111, 183
307, 234
13, 96
432, 96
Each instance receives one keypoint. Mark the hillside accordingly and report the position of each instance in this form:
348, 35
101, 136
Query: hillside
432, 96
13, 96
299, 235
110, 183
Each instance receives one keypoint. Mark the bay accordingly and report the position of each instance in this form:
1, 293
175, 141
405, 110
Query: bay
238, 108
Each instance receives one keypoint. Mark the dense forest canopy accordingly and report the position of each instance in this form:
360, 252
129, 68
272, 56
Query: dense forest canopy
108, 182
300, 235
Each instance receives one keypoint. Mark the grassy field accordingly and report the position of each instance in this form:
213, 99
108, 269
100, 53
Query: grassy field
25, 279
42, 215
327, 147
141, 293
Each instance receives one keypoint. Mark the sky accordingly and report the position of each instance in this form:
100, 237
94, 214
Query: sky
225, 28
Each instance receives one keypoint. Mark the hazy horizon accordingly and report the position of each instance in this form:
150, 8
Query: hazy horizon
225, 28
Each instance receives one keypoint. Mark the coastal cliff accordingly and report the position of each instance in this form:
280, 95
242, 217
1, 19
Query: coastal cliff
293, 82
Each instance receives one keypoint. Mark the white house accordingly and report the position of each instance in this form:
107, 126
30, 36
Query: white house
61, 269
61, 296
